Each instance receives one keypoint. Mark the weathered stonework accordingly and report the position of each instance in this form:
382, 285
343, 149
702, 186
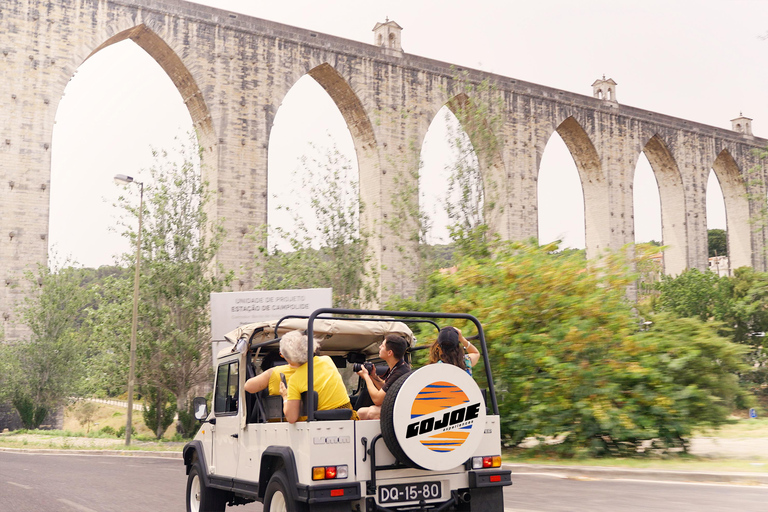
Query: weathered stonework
233, 71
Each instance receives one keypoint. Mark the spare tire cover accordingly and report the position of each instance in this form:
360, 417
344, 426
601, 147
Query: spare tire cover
434, 417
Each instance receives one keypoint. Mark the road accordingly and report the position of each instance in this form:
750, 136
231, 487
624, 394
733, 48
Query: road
75, 483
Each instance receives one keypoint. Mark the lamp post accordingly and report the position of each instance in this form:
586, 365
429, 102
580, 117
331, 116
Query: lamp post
122, 178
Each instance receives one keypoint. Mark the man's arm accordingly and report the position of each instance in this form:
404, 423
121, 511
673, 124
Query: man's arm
259, 382
374, 387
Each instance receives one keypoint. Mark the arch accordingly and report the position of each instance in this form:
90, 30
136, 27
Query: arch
363, 136
673, 206
594, 187
392, 42
737, 216
120, 85
491, 163
559, 201
181, 77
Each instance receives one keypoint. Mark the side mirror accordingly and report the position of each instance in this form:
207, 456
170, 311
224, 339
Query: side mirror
200, 406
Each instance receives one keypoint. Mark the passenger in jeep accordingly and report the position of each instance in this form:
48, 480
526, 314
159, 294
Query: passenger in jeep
449, 348
392, 350
331, 392
269, 377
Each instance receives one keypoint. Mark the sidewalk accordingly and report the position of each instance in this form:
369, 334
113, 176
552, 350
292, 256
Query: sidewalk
618, 473
749, 450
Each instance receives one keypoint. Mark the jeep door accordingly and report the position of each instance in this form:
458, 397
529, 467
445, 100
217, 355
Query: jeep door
226, 408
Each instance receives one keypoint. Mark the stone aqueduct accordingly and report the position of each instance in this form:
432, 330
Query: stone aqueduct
233, 71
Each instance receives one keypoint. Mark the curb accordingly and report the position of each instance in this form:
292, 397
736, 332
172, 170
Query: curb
613, 473
114, 453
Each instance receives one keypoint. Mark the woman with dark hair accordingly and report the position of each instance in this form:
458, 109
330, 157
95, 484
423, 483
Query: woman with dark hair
450, 348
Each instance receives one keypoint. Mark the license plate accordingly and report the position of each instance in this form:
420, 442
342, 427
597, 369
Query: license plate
409, 492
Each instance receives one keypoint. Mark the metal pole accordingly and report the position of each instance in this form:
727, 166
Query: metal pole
134, 324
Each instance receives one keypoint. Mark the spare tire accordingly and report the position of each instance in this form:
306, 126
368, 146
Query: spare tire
433, 418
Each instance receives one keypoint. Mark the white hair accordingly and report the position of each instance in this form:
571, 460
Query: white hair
293, 346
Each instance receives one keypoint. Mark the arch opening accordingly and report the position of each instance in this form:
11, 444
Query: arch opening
302, 157
735, 206
560, 197
664, 188
593, 186
104, 95
446, 149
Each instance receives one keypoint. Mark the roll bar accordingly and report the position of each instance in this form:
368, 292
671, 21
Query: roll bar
399, 314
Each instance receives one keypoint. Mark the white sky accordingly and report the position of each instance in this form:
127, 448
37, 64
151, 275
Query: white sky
701, 60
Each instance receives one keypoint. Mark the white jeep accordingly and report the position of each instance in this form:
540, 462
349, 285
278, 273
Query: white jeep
437, 446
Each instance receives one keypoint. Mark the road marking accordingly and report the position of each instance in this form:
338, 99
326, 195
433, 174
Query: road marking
20, 485
76, 505
745, 483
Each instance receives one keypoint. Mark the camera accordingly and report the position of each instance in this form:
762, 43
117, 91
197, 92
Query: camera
359, 366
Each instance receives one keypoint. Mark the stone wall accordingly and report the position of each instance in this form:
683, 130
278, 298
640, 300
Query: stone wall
233, 71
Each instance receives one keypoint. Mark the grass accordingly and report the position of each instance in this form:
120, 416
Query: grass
111, 416
89, 436
740, 428
19, 439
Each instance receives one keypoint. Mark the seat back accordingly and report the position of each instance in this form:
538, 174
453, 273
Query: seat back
273, 407
329, 415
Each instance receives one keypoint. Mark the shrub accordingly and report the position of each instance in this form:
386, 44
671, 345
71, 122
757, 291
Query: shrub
569, 361
109, 431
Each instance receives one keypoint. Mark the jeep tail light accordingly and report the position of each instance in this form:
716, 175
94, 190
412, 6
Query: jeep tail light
486, 462
329, 472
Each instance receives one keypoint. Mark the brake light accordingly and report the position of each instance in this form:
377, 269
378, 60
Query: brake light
329, 472
486, 462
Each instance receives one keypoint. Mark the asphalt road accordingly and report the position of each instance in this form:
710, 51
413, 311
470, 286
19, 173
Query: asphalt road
76, 483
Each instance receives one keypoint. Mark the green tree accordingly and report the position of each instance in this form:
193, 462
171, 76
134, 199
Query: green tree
473, 193
84, 413
693, 294
569, 359
718, 242
44, 370
158, 410
178, 274
327, 247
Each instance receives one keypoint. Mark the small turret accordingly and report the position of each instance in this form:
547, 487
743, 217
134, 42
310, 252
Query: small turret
742, 125
604, 89
387, 35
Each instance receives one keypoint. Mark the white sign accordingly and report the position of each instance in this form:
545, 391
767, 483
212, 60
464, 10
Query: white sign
230, 310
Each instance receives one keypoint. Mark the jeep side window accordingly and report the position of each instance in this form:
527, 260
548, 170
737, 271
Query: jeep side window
225, 399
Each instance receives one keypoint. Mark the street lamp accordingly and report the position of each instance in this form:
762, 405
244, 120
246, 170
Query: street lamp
122, 178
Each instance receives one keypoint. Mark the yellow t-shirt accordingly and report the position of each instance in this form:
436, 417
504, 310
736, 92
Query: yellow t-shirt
331, 392
274, 379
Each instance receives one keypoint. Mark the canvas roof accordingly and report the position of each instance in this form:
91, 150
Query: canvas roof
339, 336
